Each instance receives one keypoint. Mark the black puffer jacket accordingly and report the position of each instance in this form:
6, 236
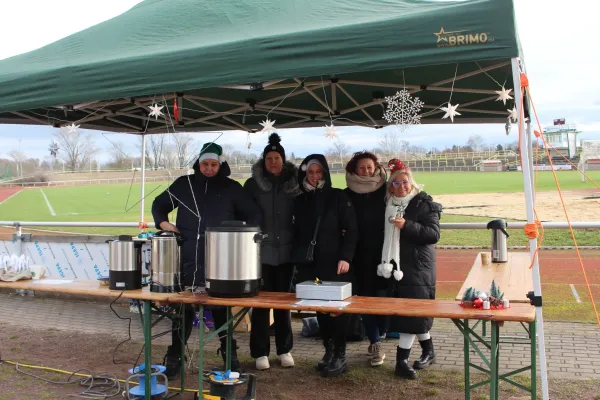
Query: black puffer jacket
336, 238
275, 196
217, 199
417, 260
370, 213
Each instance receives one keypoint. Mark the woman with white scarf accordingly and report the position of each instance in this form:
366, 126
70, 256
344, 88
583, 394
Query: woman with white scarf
412, 228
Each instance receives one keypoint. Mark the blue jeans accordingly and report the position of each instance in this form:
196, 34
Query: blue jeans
376, 325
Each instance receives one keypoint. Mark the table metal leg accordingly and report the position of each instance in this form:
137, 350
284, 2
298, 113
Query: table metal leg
183, 345
229, 339
147, 349
201, 352
533, 337
494, 361
467, 354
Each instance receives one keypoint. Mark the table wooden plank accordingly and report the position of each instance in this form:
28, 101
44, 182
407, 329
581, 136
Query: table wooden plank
513, 277
286, 301
83, 287
369, 305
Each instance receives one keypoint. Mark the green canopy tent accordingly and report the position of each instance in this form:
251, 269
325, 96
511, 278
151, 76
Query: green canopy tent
223, 60
229, 64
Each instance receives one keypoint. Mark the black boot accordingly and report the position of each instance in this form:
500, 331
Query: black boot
172, 362
339, 363
427, 355
403, 368
328, 344
235, 363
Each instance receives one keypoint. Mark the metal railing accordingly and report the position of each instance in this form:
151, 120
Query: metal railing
443, 225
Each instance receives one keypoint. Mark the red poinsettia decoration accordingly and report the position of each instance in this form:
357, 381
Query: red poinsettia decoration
396, 165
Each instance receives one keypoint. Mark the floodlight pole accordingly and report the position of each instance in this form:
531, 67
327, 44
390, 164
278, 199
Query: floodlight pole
143, 182
526, 161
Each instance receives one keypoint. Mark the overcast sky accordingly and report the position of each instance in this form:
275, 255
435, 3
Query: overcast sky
558, 40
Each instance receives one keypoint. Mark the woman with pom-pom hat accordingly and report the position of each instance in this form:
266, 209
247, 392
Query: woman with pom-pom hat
412, 228
273, 186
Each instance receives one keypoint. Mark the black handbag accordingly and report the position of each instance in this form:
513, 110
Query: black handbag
305, 254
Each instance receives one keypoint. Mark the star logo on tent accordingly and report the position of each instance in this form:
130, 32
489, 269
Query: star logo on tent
442, 35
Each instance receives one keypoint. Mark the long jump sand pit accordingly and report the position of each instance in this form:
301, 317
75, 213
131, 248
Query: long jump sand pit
581, 205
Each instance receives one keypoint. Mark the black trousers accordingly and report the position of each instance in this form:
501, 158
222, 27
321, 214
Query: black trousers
275, 279
189, 312
334, 328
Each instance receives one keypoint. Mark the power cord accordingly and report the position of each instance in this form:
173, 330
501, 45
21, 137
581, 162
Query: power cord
128, 329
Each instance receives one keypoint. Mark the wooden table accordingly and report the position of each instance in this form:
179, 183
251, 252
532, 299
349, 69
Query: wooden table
515, 280
513, 277
523, 313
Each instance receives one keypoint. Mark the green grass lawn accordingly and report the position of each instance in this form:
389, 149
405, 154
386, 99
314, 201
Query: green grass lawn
117, 203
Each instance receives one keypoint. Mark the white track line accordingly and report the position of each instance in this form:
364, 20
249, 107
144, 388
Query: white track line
48, 204
10, 197
577, 299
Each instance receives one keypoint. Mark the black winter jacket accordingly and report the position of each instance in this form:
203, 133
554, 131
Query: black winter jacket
336, 238
275, 197
217, 199
370, 214
417, 260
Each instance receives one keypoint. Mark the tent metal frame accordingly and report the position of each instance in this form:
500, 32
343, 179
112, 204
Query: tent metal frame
137, 108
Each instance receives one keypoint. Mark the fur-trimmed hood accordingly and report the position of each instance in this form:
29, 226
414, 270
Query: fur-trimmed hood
289, 175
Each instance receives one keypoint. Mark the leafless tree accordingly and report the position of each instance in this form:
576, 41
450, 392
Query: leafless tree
339, 149
475, 142
170, 156
77, 148
19, 157
118, 156
184, 143
391, 145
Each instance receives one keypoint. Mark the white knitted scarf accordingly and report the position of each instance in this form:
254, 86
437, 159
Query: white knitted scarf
391, 245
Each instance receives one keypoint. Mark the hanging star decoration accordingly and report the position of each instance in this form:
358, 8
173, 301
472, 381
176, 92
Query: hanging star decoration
155, 111
450, 111
72, 128
267, 126
513, 115
403, 109
503, 94
331, 131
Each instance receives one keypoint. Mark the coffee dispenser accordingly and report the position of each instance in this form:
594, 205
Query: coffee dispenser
499, 245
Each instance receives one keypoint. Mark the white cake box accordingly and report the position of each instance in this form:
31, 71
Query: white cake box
324, 290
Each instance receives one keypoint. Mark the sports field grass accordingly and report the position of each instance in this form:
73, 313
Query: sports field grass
117, 203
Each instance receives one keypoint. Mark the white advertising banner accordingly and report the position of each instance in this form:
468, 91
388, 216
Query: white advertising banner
549, 168
69, 260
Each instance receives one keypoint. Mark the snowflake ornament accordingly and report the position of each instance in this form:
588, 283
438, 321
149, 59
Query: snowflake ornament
155, 111
503, 94
267, 126
331, 132
403, 109
72, 128
450, 111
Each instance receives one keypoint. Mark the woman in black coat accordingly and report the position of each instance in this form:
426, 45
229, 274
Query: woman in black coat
329, 213
366, 181
412, 228
273, 186
206, 198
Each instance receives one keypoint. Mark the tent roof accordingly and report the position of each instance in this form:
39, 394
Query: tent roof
231, 62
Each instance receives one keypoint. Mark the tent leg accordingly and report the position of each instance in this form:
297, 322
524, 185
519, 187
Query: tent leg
529, 203
143, 182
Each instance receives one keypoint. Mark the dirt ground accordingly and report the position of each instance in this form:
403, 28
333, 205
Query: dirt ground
71, 351
582, 205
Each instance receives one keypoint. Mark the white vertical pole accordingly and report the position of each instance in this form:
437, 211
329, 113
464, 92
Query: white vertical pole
529, 203
143, 182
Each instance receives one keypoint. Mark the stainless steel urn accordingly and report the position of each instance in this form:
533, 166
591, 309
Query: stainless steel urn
166, 262
232, 260
499, 245
125, 264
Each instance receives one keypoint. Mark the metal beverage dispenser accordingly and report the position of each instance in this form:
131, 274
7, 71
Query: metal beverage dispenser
499, 235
